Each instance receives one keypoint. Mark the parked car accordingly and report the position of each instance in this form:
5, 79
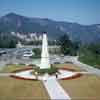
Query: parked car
28, 54
2, 52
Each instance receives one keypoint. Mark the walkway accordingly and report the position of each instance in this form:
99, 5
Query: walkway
88, 68
74, 60
55, 90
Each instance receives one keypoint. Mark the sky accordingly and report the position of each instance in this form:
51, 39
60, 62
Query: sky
78, 11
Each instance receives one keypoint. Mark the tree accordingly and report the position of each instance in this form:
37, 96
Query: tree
7, 41
67, 46
37, 52
12, 44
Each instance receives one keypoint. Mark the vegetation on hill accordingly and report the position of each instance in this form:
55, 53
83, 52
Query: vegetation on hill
90, 54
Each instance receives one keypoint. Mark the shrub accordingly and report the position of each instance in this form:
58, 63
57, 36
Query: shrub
50, 70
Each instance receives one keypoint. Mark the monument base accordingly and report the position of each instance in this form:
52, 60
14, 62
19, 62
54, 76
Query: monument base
42, 66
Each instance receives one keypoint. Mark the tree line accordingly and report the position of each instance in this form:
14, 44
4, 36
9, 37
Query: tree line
7, 41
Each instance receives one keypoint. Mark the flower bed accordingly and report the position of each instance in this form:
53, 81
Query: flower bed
71, 77
22, 78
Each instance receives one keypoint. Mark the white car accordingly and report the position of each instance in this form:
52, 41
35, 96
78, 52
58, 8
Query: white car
28, 54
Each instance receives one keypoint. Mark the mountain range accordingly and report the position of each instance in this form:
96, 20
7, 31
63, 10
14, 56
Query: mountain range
12, 22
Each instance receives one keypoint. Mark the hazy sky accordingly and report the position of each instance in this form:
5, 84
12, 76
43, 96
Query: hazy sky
81, 11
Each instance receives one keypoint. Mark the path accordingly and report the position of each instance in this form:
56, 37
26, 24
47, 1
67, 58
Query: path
88, 68
74, 60
55, 90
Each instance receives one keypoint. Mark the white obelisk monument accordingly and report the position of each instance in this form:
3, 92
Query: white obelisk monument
44, 54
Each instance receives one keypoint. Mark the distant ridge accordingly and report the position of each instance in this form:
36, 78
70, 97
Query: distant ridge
77, 32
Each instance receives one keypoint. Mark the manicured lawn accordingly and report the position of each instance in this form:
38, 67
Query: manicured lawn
90, 55
68, 65
13, 67
93, 60
14, 89
86, 87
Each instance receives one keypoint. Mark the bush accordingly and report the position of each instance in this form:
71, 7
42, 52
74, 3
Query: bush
50, 71
32, 65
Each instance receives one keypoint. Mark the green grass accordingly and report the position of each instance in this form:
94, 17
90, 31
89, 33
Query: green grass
86, 87
91, 59
16, 89
12, 67
90, 54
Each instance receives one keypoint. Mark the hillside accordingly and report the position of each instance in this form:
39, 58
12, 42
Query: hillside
17, 23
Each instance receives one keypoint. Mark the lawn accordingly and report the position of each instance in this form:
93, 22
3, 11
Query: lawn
14, 89
93, 60
69, 65
86, 87
13, 67
90, 55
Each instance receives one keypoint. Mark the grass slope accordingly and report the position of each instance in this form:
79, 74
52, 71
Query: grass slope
90, 59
